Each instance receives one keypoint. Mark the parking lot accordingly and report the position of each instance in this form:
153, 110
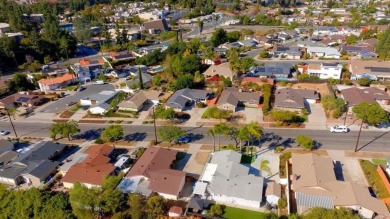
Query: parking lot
59, 105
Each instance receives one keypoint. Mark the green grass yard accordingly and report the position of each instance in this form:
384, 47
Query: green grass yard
379, 162
235, 213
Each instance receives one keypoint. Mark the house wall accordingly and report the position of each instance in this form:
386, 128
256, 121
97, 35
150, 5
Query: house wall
97, 110
272, 199
168, 196
294, 57
85, 102
363, 212
311, 100
69, 185
8, 181
325, 74
226, 106
172, 214
36, 182
223, 199
130, 109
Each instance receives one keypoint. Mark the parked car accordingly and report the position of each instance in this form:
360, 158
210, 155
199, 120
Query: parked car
4, 132
339, 129
71, 103
184, 139
81, 88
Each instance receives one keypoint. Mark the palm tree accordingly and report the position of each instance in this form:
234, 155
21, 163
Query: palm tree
12, 111
200, 25
255, 132
211, 132
264, 166
219, 129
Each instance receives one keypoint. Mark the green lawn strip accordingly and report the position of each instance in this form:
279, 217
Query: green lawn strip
379, 162
75, 108
234, 213
373, 179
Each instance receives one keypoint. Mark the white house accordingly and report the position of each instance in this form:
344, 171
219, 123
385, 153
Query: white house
98, 98
324, 52
325, 70
49, 84
100, 109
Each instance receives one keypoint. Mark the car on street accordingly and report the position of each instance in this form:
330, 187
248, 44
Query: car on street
339, 129
81, 88
71, 103
4, 132
184, 139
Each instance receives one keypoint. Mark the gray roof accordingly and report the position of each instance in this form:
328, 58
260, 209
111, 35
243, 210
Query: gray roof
271, 70
325, 50
102, 96
77, 158
310, 200
293, 98
7, 157
234, 96
44, 168
195, 203
232, 178
180, 97
146, 78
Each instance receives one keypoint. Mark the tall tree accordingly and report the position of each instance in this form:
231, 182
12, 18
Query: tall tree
136, 206
140, 81
211, 132
220, 129
170, 133
218, 37
112, 133
371, 113
255, 132
82, 29
155, 206
200, 24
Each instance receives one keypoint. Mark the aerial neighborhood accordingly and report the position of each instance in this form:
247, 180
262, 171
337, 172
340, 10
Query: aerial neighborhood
195, 109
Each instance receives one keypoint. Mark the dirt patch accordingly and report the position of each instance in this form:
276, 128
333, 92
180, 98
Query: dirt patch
126, 143
67, 114
322, 88
93, 121
67, 141
302, 151
60, 120
367, 154
173, 146
201, 157
207, 147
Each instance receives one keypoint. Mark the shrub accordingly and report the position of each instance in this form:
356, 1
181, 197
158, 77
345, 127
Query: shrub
282, 203
283, 158
364, 82
348, 82
99, 141
201, 105
373, 178
267, 90
289, 85
304, 112
111, 121
283, 83
305, 141
279, 149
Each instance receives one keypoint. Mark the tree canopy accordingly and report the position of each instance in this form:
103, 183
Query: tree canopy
112, 133
371, 113
170, 133
66, 130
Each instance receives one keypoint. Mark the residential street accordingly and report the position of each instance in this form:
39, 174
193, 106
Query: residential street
369, 140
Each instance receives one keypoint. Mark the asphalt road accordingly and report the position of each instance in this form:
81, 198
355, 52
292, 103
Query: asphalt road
60, 104
369, 140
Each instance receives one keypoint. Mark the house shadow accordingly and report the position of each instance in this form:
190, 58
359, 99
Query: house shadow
182, 160
136, 136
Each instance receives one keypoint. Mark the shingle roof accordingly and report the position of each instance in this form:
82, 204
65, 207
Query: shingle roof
57, 80
234, 96
160, 24
354, 95
140, 98
293, 98
180, 97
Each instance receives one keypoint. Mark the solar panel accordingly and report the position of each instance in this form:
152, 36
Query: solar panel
379, 69
23, 99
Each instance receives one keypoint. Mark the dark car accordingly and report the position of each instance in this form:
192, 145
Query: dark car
184, 139
81, 88
71, 103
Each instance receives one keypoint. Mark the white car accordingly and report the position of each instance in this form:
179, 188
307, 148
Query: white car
339, 128
4, 132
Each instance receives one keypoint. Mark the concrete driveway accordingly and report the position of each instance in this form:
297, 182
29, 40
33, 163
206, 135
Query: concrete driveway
59, 105
317, 117
251, 114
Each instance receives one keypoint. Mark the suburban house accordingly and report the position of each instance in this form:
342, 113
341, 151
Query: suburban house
49, 84
91, 170
6, 145
152, 173
139, 100
354, 50
287, 52
21, 99
156, 26
295, 99
220, 70
211, 61
133, 84
248, 43
232, 98
99, 103
314, 184
355, 95
187, 97
86, 70
325, 70
273, 193
369, 69
227, 181
33, 167
4, 28
324, 52
271, 71
121, 56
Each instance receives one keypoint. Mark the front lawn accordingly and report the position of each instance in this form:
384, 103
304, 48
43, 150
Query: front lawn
373, 179
234, 213
379, 162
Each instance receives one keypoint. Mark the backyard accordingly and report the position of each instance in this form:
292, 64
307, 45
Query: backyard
234, 213
374, 179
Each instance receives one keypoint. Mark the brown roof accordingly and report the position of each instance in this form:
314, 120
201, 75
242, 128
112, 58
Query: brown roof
176, 210
166, 181
293, 98
377, 68
139, 98
273, 189
160, 24
315, 175
355, 95
233, 96
315, 66
221, 70
57, 80
93, 169
20, 98
152, 159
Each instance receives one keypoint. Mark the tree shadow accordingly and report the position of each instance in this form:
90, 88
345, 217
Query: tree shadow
89, 135
136, 136
196, 137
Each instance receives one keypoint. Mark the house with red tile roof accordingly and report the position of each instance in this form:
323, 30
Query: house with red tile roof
93, 169
49, 84
153, 173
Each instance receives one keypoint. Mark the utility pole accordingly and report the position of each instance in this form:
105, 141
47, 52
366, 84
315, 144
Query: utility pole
358, 138
12, 124
154, 123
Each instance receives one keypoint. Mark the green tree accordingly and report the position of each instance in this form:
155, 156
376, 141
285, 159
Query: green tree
183, 81
220, 129
264, 166
255, 132
69, 129
200, 24
364, 82
371, 113
170, 133
112, 133
246, 63
162, 113
218, 37
19, 82
233, 36
55, 129
82, 29
336, 213
305, 141
352, 39
227, 82
216, 210
234, 61
140, 82
12, 111
136, 206
383, 45
155, 206
264, 54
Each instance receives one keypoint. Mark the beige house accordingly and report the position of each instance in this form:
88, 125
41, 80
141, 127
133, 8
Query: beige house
139, 100
231, 98
221, 70
314, 184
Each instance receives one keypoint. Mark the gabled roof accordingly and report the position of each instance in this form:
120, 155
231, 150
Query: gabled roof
233, 96
355, 95
57, 80
140, 98
160, 24
293, 98
180, 97
377, 68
